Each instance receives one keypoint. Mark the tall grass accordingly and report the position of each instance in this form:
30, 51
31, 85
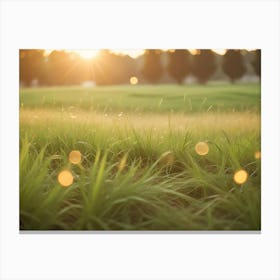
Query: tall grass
148, 192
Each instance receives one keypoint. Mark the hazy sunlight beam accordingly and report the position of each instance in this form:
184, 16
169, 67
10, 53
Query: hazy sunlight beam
87, 54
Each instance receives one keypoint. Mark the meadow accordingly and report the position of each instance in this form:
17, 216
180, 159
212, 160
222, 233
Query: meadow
140, 168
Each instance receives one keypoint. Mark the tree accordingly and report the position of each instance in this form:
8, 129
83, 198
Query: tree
179, 65
153, 68
59, 67
110, 68
31, 65
204, 65
256, 63
77, 69
233, 65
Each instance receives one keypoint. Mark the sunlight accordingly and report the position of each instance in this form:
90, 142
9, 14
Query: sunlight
87, 54
219, 51
193, 51
47, 52
134, 53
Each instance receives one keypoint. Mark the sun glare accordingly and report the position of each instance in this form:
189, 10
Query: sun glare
87, 54
193, 51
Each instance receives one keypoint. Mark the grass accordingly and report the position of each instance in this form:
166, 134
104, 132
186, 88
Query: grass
145, 98
139, 168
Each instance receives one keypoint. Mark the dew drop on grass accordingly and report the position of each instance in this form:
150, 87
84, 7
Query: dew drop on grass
240, 176
65, 178
202, 148
75, 157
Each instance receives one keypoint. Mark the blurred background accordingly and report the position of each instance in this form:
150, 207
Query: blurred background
89, 68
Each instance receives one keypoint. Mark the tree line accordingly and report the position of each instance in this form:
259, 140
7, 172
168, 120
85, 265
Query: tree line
108, 68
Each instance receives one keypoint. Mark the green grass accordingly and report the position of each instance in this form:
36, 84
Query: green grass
131, 124
145, 98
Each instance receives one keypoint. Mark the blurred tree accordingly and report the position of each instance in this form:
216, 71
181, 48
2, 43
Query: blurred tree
31, 65
59, 67
153, 68
110, 68
233, 64
256, 63
78, 69
44, 76
204, 65
179, 65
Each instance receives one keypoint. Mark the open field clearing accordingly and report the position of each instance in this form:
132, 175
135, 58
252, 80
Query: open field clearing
140, 158
146, 98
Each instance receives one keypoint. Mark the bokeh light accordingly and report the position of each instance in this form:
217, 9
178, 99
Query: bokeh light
257, 155
202, 148
65, 178
240, 176
75, 157
134, 80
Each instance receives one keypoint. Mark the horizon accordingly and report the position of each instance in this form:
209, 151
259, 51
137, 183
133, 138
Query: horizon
89, 54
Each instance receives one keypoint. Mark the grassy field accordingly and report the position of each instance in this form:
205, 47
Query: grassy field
139, 168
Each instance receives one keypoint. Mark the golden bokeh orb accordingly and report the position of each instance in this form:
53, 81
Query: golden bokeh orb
65, 178
134, 80
257, 155
240, 176
202, 148
75, 157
